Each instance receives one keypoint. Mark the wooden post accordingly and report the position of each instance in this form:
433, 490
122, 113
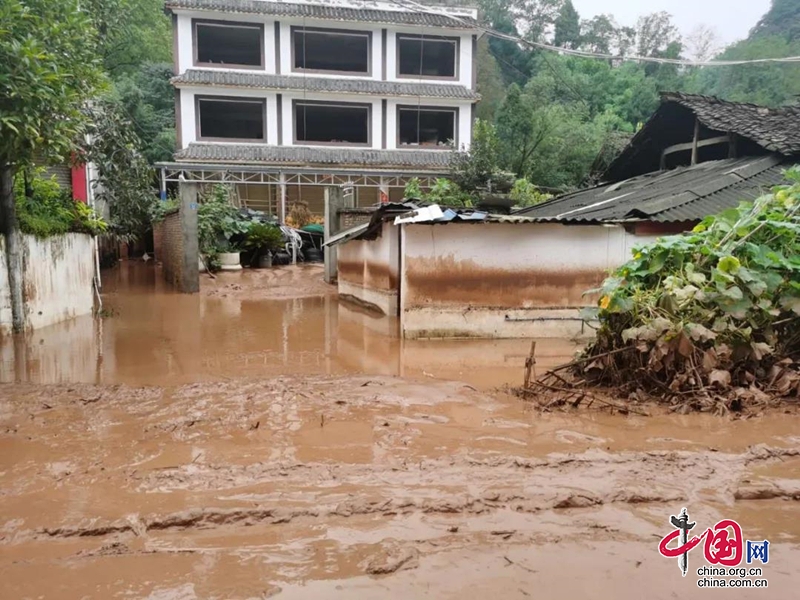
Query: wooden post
10, 229
530, 366
732, 143
696, 139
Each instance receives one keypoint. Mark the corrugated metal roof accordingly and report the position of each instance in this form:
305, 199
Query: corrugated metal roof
434, 161
263, 81
329, 11
683, 194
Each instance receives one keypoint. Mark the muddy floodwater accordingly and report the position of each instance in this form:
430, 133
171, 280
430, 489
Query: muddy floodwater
226, 446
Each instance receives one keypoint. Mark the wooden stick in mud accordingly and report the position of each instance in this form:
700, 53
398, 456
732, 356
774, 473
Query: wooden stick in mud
530, 365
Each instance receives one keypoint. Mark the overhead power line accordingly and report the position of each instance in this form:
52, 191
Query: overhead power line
412, 6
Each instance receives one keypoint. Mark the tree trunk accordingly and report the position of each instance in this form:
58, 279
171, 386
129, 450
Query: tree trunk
8, 224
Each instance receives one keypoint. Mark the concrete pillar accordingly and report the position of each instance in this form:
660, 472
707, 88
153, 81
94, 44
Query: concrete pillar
283, 198
336, 198
190, 272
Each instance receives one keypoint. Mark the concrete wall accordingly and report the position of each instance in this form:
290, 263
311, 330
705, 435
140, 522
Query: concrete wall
369, 271
502, 280
57, 279
172, 248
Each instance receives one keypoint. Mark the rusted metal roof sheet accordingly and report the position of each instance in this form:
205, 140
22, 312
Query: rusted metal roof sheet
262, 81
435, 161
328, 11
683, 194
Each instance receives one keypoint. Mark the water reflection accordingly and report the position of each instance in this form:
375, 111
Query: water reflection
157, 337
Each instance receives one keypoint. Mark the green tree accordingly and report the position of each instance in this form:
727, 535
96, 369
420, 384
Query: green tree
472, 170
539, 17
521, 130
148, 99
490, 82
770, 84
598, 34
782, 19
48, 71
512, 59
655, 33
125, 178
568, 27
131, 32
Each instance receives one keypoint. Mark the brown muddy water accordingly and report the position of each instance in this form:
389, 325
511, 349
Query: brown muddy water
225, 447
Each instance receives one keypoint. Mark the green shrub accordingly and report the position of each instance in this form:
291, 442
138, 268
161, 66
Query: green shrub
262, 238
50, 210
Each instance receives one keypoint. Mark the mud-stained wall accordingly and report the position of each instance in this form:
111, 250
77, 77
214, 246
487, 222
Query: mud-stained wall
57, 280
503, 280
369, 270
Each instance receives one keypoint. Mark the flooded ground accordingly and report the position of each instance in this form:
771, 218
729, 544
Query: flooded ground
156, 337
229, 448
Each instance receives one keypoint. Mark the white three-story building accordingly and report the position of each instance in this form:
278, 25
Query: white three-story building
286, 97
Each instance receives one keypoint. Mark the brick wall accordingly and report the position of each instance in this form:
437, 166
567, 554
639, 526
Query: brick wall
158, 240
172, 247
352, 217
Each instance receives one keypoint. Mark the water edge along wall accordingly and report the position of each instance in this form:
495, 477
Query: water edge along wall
58, 275
504, 280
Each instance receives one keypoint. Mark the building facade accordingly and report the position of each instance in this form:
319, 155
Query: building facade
284, 98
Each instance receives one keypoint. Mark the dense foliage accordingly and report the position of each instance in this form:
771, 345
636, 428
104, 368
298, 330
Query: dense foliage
48, 70
555, 114
715, 312
45, 209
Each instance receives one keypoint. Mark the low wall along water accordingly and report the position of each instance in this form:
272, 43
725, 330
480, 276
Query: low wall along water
57, 280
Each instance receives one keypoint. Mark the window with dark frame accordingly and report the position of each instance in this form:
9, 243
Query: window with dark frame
334, 50
231, 119
331, 123
426, 127
230, 44
427, 56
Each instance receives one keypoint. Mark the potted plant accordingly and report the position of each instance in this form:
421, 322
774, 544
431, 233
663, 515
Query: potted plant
262, 240
221, 228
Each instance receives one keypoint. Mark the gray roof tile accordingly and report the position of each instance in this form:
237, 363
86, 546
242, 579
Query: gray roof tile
435, 161
264, 81
774, 129
683, 194
323, 11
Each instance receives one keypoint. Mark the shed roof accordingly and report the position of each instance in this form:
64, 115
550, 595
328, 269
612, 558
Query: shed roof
683, 194
326, 11
263, 81
435, 161
760, 129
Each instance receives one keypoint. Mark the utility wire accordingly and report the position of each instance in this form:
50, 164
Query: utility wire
411, 6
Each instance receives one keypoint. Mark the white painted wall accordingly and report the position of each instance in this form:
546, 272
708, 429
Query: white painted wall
58, 273
369, 270
468, 280
465, 57
464, 119
185, 58
188, 116
185, 61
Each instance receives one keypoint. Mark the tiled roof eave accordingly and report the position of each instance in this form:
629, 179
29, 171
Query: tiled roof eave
324, 85
434, 161
325, 12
